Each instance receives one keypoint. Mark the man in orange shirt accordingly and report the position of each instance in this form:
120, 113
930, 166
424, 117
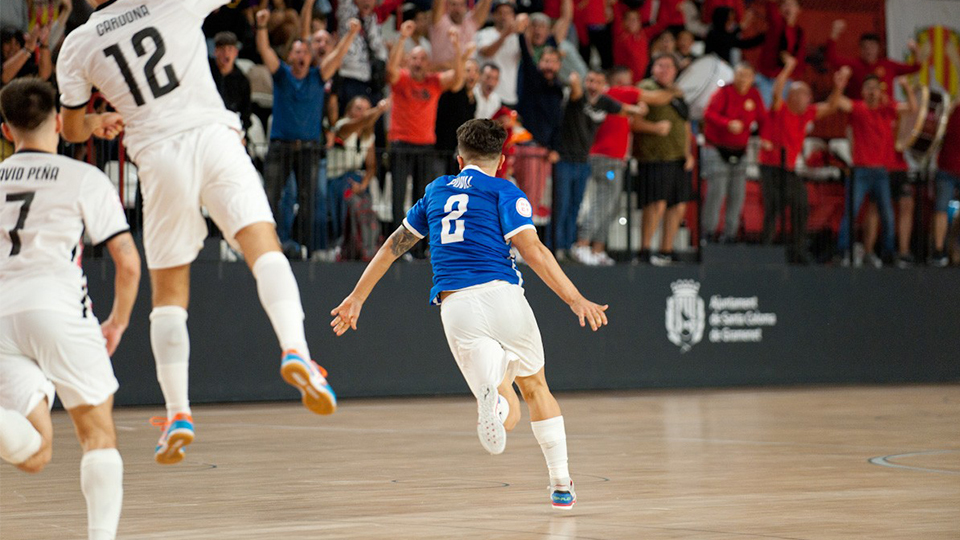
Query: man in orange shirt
415, 94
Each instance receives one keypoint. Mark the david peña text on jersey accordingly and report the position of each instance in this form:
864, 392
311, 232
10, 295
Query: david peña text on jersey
45, 173
123, 19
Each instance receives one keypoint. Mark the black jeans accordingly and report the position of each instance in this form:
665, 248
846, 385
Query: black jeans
783, 189
417, 160
302, 158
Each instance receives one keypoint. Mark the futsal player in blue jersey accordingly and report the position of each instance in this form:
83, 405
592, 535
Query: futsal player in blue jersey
472, 219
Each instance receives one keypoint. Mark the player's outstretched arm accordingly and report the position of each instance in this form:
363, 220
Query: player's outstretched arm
126, 259
346, 314
538, 257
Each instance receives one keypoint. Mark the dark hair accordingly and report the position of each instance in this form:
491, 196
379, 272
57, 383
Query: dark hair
599, 72
870, 77
618, 70
355, 99
869, 36
673, 58
26, 103
8, 33
490, 65
550, 50
480, 140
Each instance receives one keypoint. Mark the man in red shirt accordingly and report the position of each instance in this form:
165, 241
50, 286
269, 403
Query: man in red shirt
871, 120
781, 140
631, 44
608, 164
783, 37
732, 111
415, 94
870, 62
948, 182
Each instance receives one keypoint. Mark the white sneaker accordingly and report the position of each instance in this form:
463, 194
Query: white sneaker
603, 259
858, 254
874, 261
493, 436
580, 254
660, 260
563, 497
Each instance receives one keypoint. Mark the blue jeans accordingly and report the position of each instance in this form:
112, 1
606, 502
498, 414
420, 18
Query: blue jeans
874, 181
946, 184
571, 181
288, 209
336, 187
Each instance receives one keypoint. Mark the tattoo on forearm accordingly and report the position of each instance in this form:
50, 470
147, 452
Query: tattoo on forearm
402, 240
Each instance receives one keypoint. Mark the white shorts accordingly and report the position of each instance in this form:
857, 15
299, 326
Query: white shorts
205, 166
490, 328
43, 350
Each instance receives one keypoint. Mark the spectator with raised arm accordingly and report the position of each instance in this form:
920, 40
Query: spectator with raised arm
872, 119
20, 50
543, 32
783, 37
449, 14
540, 106
781, 141
871, 61
664, 149
363, 70
727, 124
454, 108
415, 92
499, 45
631, 42
726, 33
295, 137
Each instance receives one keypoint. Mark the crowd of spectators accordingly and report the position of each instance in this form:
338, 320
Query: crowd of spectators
342, 94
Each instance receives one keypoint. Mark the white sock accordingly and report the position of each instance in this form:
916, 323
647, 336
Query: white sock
171, 350
101, 480
280, 297
19, 440
553, 441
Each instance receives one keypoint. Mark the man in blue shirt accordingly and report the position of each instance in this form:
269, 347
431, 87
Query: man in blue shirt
295, 137
472, 218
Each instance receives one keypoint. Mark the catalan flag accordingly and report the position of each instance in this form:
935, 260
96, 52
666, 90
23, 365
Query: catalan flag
939, 70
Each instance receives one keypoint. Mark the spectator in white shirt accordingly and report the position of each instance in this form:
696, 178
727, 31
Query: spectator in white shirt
449, 14
499, 44
488, 101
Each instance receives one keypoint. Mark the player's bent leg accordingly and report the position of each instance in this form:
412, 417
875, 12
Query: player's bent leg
280, 297
547, 424
170, 342
101, 469
512, 407
27, 441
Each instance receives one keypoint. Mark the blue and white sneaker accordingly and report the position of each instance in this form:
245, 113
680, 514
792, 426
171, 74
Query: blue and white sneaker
493, 436
177, 434
311, 380
563, 497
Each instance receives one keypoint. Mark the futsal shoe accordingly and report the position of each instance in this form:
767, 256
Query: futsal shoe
493, 437
563, 497
177, 434
311, 380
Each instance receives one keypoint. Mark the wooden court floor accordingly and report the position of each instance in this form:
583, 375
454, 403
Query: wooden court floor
860, 462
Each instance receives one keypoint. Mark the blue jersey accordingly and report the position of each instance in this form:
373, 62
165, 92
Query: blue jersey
470, 218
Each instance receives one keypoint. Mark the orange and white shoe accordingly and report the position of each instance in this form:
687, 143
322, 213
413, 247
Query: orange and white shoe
311, 380
177, 434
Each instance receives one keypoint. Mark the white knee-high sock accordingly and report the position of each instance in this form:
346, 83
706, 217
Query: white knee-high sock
553, 441
280, 297
171, 350
19, 440
101, 480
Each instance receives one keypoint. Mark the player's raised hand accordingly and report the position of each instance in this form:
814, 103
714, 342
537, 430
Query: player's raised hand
263, 17
354, 25
345, 315
111, 125
407, 28
589, 313
112, 332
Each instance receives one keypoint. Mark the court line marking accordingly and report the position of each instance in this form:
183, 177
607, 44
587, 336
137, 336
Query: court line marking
884, 461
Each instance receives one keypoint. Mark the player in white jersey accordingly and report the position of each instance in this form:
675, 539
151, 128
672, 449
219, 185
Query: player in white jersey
149, 59
49, 338
471, 219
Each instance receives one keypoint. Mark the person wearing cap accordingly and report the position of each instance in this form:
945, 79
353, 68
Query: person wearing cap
498, 44
232, 84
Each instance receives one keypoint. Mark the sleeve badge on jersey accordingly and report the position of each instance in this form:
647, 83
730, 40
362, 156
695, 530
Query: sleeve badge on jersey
523, 208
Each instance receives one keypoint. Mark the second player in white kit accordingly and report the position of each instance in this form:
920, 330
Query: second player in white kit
149, 60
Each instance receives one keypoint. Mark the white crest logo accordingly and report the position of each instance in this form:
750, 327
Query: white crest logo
524, 208
686, 314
